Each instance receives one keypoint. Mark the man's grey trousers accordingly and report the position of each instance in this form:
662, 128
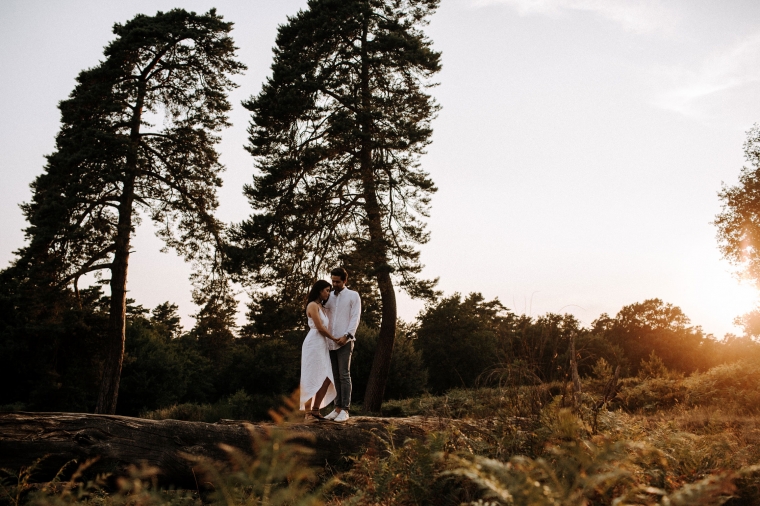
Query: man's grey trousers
341, 366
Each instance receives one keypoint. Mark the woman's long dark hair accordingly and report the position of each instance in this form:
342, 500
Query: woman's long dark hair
314, 293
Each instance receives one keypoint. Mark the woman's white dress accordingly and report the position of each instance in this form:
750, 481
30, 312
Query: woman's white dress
315, 364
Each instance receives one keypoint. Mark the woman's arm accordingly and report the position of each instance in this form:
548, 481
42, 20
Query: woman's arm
313, 312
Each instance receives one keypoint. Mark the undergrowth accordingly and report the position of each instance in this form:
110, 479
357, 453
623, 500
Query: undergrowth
663, 439
238, 406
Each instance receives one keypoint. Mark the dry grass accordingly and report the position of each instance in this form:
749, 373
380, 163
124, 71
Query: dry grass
509, 445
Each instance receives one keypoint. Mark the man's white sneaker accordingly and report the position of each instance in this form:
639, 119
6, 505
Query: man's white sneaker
342, 416
332, 415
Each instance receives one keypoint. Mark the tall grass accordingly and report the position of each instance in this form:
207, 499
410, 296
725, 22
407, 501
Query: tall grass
665, 440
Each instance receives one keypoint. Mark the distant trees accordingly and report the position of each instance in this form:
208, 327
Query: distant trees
337, 132
137, 136
459, 339
465, 341
49, 343
655, 326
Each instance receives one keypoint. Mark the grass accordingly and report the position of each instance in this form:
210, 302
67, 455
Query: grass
664, 440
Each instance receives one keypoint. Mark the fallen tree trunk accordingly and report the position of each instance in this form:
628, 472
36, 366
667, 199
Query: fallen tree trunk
118, 441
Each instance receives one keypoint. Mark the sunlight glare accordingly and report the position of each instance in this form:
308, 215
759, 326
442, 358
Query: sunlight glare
734, 299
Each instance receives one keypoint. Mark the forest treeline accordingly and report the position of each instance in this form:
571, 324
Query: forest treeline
639, 407
337, 134
49, 352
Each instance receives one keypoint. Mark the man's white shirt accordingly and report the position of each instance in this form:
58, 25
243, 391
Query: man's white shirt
343, 310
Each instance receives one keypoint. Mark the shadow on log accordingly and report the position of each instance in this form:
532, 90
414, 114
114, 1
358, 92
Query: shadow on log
119, 442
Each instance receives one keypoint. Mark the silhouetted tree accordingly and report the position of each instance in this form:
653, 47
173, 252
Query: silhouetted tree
49, 354
337, 133
215, 325
166, 319
750, 322
460, 339
137, 135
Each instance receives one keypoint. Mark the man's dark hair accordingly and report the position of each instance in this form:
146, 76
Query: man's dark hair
340, 272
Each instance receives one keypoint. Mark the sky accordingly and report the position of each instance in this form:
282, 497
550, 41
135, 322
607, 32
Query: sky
578, 153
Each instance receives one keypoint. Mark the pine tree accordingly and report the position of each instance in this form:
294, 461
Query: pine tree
138, 135
337, 133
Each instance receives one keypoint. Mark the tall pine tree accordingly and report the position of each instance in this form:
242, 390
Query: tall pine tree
337, 133
138, 135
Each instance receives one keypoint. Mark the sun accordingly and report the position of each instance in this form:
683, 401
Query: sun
737, 299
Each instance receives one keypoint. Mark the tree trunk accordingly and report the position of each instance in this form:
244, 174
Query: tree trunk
381, 364
574, 372
378, 376
120, 441
109, 384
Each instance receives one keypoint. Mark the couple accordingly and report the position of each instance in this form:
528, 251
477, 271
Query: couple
326, 352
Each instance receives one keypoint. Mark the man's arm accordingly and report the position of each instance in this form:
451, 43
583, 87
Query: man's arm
356, 310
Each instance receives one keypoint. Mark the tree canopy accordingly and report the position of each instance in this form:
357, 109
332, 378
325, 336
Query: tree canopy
337, 133
137, 138
654, 326
738, 222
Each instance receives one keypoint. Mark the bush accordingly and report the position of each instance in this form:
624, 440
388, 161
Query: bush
731, 387
478, 403
263, 366
238, 406
734, 387
160, 371
651, 394
407, 376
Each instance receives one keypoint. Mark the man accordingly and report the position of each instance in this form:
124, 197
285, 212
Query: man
344, 307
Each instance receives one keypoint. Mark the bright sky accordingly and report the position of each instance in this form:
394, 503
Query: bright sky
578, 153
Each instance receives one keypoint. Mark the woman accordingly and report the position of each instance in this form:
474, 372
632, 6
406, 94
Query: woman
317, 384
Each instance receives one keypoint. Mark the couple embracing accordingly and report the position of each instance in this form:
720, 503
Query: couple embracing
333, 314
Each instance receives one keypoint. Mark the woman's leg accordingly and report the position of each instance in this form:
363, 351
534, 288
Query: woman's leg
321, 394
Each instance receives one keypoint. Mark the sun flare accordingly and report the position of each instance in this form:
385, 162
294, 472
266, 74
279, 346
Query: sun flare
731, 300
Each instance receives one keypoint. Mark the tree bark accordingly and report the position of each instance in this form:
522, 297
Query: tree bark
120, 441
381, 363
109, 385
378, 376
108, 393
574, 372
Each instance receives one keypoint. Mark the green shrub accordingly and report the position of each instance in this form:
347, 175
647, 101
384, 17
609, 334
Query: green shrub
732, 386
407, 376
631, 463
651, 394
519, 401
159, 370
238, 406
